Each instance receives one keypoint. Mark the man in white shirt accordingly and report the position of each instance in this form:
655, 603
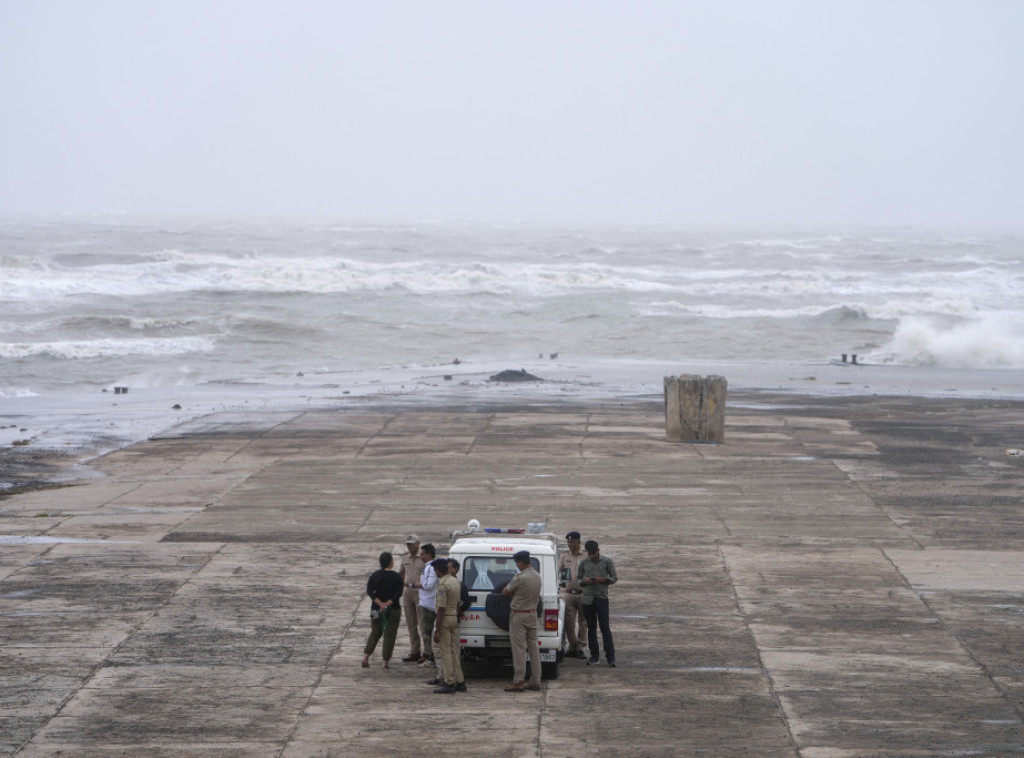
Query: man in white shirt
427, 586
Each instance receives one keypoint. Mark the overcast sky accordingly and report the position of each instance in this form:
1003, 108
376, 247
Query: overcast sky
806, 111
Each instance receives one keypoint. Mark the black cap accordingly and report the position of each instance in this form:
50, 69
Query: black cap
573, 535
523, 556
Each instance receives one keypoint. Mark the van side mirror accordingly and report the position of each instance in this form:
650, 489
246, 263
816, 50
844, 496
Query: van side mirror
564, 575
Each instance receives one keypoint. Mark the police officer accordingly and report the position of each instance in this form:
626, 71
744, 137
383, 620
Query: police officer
524, 589
412, 567
572, 594
446, 636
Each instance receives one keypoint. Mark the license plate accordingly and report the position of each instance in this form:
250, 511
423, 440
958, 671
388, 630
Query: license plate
548, 656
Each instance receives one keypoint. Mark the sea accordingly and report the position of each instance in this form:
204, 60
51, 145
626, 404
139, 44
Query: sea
114, 328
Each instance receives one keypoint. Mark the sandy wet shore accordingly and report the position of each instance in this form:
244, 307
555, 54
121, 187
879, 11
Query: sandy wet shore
843, 577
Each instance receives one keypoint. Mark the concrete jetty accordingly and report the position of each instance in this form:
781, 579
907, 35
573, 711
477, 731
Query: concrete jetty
843, 577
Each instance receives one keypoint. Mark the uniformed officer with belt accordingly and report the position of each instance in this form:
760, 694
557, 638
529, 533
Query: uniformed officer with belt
446, 633
572, 593
524, 589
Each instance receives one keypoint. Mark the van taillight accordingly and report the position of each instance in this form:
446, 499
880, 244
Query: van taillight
550, 619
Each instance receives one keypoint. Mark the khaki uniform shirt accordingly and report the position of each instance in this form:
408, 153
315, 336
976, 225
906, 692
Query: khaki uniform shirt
447, 597
571, 561
412, 568
525, 589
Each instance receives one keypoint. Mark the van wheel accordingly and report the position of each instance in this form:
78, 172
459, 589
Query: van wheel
549, 670
499, 609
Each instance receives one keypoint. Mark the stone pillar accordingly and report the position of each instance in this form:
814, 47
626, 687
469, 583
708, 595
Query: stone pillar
695, 408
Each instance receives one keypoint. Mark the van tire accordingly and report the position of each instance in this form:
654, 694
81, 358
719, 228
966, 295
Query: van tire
499, 608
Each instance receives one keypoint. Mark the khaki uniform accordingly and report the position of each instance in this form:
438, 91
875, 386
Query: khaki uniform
522, 624
448, 592
412, 568
575, 621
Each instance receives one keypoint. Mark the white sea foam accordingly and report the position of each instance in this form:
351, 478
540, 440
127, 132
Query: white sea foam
16, 392
991, 341
101, 348
327, 275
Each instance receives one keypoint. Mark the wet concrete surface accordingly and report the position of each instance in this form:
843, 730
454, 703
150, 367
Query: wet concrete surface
843, 577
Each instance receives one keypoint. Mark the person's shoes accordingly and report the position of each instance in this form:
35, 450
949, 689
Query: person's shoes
447, 689
520, 687
578, 654
460, 687
611, 662
410, 659
435, 681
533, 687
421, 660
592, 660
428, 664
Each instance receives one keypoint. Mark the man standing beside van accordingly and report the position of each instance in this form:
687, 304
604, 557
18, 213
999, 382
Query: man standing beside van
524, 589
446, 631
597, 573
572, 594
427, 586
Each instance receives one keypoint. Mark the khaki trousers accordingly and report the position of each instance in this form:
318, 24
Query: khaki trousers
522, 634
411, 611
575, 622
448, 642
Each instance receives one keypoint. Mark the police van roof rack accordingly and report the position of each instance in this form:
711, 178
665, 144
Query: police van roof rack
533, 529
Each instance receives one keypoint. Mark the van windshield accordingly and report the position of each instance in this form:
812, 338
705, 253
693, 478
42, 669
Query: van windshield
490, 573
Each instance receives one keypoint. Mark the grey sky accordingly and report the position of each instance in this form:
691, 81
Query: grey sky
811, 111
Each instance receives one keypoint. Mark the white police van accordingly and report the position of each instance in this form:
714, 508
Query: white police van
486, 566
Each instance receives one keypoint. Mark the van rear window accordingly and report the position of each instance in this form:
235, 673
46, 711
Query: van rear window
490, 573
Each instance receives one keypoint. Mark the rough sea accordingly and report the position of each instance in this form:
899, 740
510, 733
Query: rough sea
231, 314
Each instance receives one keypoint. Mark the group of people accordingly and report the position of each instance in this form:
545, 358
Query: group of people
427, 592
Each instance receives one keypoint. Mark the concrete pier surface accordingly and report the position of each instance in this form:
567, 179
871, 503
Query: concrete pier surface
844, 577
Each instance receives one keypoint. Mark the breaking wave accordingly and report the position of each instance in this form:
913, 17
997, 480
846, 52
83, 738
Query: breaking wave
991, 341
106, 348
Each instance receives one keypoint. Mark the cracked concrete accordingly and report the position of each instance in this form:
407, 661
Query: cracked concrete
843, 577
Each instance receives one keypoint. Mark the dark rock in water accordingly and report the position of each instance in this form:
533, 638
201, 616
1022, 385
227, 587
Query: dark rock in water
511, 375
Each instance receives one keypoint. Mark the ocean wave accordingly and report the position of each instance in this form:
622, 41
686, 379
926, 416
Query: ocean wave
106, 348
846, 315
17, 392
105, 324
172, 273
15, 263
991, 341
804, 275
